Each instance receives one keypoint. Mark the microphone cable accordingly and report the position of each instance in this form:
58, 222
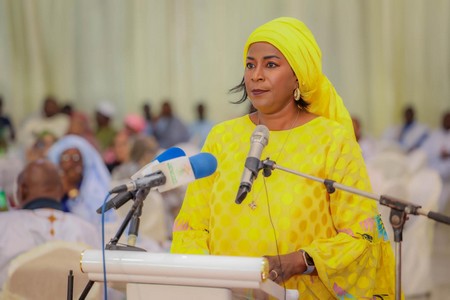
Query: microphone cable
105, 290
275, 236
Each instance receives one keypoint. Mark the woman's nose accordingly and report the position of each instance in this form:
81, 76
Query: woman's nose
257, 74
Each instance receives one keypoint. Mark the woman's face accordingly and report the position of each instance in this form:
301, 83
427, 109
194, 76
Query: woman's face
71, 164
122, 147
269, 79
71, 158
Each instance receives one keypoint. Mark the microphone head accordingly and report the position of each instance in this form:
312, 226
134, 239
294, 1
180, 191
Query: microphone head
203, 164
261, 135
169, 154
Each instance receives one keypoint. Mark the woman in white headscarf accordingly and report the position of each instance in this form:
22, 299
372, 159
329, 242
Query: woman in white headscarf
85, 176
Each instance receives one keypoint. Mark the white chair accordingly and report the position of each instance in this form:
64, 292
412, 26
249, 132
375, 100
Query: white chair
408, 178
42, 273
392, 165
416, 161
424, 189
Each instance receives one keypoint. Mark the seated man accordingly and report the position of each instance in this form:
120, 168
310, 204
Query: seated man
437, 148
410, 134
40, 218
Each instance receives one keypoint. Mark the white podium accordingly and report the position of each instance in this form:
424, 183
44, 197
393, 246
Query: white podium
179, 276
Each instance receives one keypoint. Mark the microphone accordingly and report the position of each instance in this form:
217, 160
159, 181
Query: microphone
173, 173
123, 197
165, 156
117, 202
259, 140
134, 224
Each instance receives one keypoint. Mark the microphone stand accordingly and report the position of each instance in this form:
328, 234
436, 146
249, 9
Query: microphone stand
397, 218
135, 213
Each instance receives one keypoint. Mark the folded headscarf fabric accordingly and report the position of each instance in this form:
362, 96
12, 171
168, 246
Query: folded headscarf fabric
298, 45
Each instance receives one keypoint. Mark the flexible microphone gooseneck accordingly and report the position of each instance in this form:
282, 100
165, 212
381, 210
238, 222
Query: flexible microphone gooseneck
253, 164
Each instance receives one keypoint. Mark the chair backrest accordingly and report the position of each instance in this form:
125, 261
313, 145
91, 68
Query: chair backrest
416, 161
42, 273
391, 165
424, 188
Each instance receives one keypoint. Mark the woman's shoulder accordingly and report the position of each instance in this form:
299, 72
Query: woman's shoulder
322, 125
324, 122
237, 124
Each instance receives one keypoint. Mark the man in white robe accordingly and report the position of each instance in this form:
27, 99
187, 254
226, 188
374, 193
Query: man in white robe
410, 135
40, 218
49, 119
437, 147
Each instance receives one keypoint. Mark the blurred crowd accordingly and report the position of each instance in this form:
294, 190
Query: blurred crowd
90, 155
83, 155
412, 138
411, 162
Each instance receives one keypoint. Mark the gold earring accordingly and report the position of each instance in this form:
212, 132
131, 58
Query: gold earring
297, 94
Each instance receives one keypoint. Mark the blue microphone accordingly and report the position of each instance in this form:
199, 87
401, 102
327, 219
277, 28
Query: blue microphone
173, 173
123, 197
169, 154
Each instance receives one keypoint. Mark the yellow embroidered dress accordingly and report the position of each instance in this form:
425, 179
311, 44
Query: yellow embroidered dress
342, 231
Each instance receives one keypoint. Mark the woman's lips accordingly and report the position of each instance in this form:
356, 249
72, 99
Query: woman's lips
258, 92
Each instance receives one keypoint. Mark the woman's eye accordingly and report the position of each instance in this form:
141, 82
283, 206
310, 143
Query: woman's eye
271, 65
250, 65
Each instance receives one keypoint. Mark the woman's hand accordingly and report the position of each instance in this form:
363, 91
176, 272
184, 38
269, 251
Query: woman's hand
291, 264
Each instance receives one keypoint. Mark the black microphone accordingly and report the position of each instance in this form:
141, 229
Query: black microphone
117, 202
259, 140
152, 180
134, 224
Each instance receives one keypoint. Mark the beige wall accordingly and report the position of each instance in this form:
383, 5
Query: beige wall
380, 54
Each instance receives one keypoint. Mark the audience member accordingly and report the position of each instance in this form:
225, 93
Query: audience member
10, 167
149, 119
86, 179
105, 131
7, 132
200, 128
409, 135
67, 109
134, 124
153, 223
49, 120
121, 150
437, 147
368, 144
40, 147
169, 129
80, 125
40, 218
134, 154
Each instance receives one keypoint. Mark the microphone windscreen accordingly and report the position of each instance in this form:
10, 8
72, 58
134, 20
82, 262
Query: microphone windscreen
169, 154
203, 164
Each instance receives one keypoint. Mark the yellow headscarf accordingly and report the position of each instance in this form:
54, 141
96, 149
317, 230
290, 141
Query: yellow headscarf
298, 45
